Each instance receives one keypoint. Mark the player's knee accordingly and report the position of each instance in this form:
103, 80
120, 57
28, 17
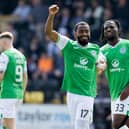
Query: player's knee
82, 124
116, 125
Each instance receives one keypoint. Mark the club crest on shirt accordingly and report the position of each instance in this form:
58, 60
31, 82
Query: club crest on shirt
83, 60
94, 53
115, 63
122, 50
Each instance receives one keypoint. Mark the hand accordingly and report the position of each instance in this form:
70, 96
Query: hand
124, 93
101, 65
53, 9
101, 62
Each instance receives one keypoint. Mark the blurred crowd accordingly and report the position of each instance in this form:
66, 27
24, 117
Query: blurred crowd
26, 19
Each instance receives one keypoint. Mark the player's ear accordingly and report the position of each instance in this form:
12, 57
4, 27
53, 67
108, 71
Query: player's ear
119, 32
75, 34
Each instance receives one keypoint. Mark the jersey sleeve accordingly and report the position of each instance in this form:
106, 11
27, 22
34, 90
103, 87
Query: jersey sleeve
62, 41
3, 62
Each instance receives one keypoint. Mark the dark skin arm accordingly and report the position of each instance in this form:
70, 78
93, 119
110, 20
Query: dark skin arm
124, 93
49, 31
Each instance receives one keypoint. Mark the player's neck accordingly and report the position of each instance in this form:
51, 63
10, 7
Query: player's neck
114, 42
8, 47
82, 45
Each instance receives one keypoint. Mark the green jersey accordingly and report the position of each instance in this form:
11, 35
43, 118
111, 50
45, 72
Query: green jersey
117, 72
80, 67
13, 64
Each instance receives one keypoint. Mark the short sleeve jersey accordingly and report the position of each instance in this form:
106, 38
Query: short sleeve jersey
13, 64
117, 71
80, 66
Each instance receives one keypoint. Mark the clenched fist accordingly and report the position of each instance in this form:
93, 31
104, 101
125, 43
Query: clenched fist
53, 9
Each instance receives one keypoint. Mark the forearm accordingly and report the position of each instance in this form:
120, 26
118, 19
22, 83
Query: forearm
49, 24
49, 31
99, 71
125, 93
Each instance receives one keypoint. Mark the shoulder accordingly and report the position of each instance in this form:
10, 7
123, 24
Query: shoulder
4, 57
105, 47
93, 45
124, 40
18, 53
62, 41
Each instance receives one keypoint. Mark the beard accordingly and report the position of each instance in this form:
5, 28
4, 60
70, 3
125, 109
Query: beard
83, 42
110, 38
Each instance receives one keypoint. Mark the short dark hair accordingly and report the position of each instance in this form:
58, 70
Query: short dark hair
79, 23
102, 38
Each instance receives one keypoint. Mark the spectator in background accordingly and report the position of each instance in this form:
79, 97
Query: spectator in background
79, 16
52, 49
37, 18
107, 14
9, 26
22, 11
38, 12
50, 84
79, 4
45, 65
122, 14
65, 17
32, 66
109, 4
93, 15
64, 20
34, 48
33, 53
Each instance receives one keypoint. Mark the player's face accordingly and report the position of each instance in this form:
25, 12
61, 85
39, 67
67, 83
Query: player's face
82, 34
111, 31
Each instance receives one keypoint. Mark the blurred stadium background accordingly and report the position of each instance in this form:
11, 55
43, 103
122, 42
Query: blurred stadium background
44, 103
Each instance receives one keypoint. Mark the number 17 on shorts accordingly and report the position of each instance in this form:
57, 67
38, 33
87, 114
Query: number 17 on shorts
84, 112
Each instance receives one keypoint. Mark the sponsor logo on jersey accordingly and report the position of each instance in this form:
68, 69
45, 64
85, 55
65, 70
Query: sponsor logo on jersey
83, 61
122, 50
115, 63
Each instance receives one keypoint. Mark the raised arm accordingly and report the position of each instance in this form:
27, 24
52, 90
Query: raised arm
50, 33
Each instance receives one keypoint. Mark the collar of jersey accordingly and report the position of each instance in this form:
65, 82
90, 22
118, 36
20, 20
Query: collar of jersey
82, 46
116, 44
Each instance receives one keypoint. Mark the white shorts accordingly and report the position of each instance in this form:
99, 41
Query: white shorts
8, 107
80, 107
120, 107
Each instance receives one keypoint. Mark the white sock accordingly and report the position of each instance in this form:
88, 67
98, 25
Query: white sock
124, 127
